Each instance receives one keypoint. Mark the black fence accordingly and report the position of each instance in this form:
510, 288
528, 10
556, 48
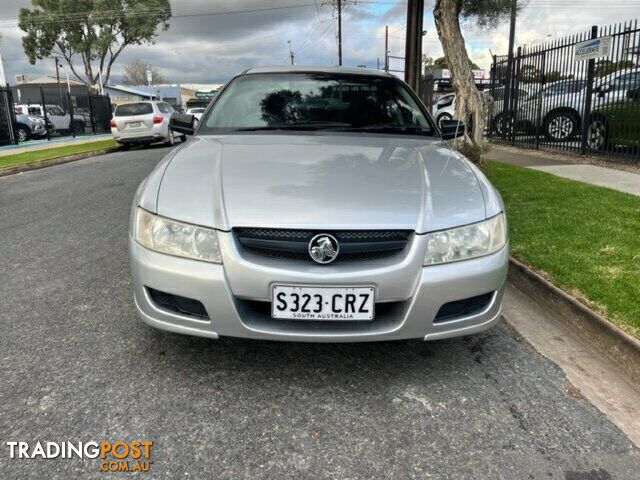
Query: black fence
7, 117
39, 112
554, 96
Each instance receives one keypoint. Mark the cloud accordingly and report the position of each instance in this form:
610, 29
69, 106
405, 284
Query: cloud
203, 48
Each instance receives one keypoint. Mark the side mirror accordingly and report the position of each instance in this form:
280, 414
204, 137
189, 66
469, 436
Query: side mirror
451, 129
182, 123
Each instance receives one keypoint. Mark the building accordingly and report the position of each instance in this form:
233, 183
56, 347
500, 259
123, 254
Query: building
119, 94
28, 91
171, 94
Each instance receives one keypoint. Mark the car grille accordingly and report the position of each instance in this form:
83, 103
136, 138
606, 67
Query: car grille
355, 245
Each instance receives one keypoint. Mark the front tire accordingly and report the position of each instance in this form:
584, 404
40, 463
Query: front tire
598, 134
561, 125
498, 124
22, 133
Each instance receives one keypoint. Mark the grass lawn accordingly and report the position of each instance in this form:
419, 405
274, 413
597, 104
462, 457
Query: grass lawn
583, 238
53, 152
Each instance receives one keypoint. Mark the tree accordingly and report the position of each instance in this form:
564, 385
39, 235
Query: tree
93, 32
530, 74
471, 105
441, 62
605, 67
135, 73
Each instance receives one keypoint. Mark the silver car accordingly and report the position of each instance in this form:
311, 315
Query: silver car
318, 204
143, 123
558, 108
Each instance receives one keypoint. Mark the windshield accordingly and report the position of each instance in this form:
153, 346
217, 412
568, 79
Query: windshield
564, 88
133, 109
313, 101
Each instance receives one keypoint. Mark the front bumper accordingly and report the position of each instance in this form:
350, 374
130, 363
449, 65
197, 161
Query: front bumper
408, 295
38, 130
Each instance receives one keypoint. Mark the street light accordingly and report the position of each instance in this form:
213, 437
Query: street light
291, 54
67, 74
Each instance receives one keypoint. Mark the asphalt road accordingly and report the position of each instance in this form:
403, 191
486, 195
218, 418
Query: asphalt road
76, 364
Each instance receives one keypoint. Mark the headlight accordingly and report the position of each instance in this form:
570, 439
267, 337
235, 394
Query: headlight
466, 242
176, 238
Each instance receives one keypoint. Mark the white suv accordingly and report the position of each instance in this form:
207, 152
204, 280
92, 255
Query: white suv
142, 123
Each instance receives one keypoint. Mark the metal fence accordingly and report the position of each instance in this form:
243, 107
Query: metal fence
7, 117
554, 96
64, 113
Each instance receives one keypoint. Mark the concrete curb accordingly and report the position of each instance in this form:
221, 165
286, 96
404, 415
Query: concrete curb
55, 161
599, 333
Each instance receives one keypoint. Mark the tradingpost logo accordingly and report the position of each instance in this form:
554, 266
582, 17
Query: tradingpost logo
119, 456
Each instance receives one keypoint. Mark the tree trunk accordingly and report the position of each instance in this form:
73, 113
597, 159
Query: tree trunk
471, 104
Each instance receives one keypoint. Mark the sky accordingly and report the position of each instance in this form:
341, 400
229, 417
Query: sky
208, 41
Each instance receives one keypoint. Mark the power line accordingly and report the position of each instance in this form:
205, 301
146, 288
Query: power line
109, 14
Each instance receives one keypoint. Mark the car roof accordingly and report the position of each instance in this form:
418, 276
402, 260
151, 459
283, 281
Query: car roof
317, 69
621, 72
140, 101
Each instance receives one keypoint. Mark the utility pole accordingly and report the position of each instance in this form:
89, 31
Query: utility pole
510, 79
339, 32
68, 82
413, 46
386, 48
3, 80
291, 54
58, 80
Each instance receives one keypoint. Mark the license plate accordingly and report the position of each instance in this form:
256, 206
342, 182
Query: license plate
292, 302
134, 124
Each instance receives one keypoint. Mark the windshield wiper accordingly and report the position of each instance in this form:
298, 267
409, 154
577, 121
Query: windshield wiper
302, 125
391, 127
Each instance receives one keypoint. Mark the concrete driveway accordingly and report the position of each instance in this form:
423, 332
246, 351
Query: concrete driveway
77, 365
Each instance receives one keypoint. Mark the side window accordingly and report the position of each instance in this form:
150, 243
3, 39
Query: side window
634, 81
164, 107
54, 110
626, 82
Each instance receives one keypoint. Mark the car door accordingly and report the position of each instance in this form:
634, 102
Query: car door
623, 119
58, 118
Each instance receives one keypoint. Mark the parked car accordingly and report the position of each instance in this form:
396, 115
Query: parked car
143, 123
318, 204
197, 112
557, 110
57, 117
28, 127
445, 108
616, 124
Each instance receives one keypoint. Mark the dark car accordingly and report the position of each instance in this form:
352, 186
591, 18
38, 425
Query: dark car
616, 124
28, 127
